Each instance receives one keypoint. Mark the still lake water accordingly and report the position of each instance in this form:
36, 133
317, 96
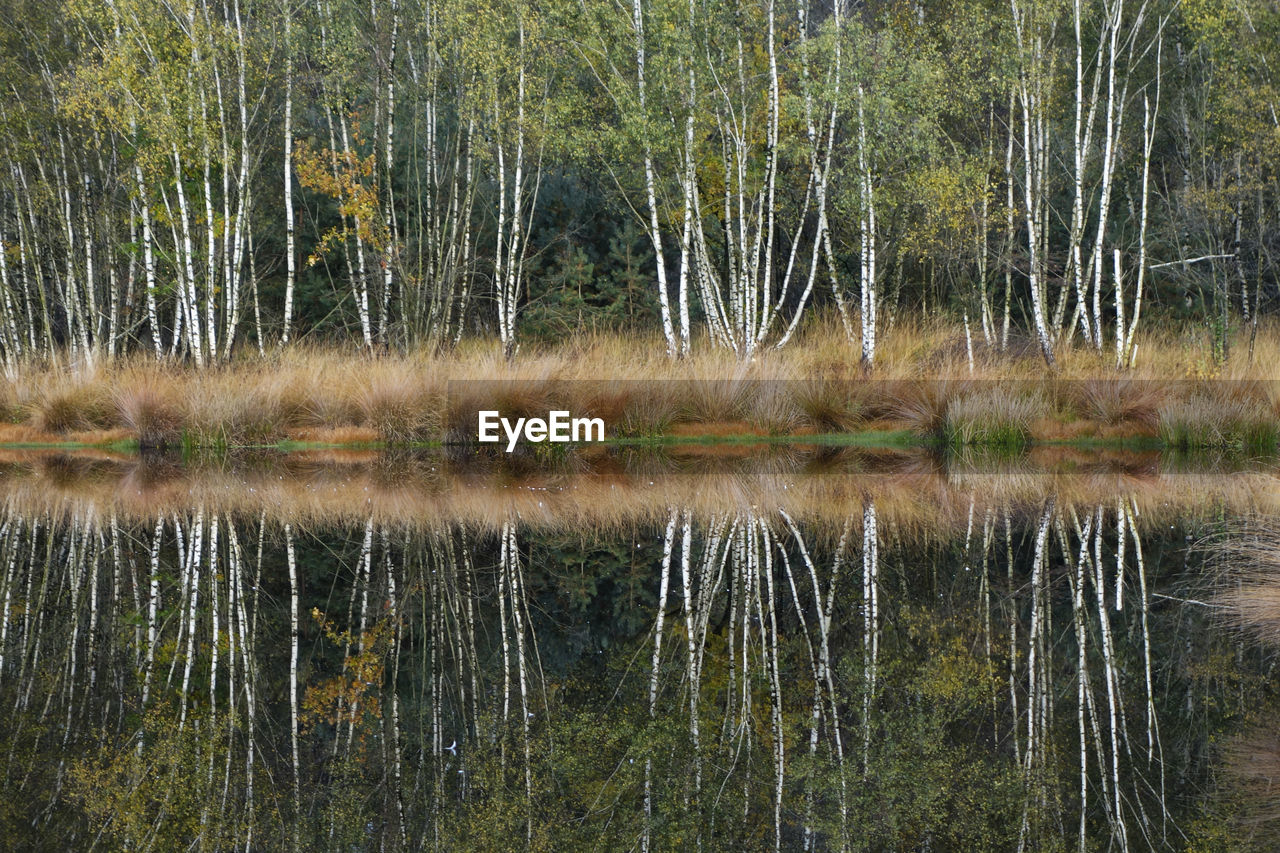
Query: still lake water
717, 649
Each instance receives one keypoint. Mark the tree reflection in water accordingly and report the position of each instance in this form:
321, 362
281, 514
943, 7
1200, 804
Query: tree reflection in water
211, 680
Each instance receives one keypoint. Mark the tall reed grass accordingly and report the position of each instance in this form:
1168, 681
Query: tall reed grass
922, 382
1230, 418
995, 418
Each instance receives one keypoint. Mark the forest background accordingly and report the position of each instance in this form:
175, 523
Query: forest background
196, 178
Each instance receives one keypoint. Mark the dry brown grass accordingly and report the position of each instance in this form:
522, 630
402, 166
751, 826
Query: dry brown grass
149, 407
335, 435
69, 403
920, 403
815, 384
1117, 401
831, 405
400, 406
1231, 415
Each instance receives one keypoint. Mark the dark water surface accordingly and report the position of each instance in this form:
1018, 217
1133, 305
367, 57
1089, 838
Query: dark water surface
738, 651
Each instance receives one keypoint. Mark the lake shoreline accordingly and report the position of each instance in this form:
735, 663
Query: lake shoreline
1257, 436
932, 393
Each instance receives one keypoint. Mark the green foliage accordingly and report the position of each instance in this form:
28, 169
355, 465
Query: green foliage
569, 292
120, 105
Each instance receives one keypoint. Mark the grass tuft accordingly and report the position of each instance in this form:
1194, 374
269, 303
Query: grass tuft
716, 400
774, 409
829, 405
997, 418
1120, 401
147, 409
1227, 418
77, 405
400, 407
922, 404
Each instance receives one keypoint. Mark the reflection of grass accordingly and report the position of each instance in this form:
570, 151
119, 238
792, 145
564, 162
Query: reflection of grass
638, 483
1250, 586
867, 438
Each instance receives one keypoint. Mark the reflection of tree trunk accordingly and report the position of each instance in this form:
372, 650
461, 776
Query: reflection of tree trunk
775, 678
248, 657
506, 652
1013, 640
1111, 676
512, 569
668, 543
984, 594
468, 572
364, 573
827, 677
1077, 609
213, 661
695, 676
10, 535
1154, 750
1036, 687
870, 622
393, 612
153, 605
817, 661
293, 678
191, 571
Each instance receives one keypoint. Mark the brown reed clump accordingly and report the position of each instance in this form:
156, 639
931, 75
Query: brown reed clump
1249, 587
1252, 761
716, 400
650, 411
147, 408
75, 404
920, 404
401, 405
831, 405
774, 409
1113, 401
1230, 416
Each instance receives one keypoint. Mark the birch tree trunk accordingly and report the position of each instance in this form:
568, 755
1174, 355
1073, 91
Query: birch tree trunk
290, 249
1029, 92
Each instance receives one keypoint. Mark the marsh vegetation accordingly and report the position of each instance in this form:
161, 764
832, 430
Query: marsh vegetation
925, 390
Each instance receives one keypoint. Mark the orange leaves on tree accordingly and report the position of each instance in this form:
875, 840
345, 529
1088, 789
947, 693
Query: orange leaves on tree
354, 696
351, 180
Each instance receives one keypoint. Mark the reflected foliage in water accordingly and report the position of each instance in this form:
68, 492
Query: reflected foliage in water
1036, 679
